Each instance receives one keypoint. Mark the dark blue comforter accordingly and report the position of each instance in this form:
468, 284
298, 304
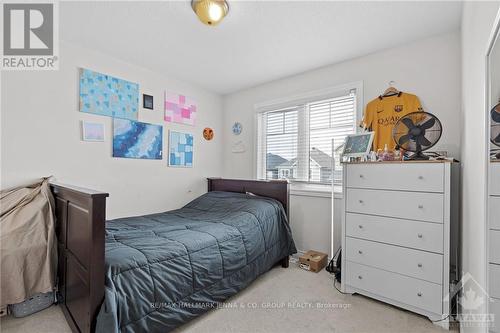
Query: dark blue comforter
163, 270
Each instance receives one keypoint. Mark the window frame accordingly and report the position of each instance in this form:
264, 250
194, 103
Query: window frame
298, 101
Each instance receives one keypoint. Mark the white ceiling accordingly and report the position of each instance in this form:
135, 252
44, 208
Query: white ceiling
259, 41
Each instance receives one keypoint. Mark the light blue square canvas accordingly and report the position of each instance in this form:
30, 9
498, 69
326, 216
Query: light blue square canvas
180, 149
106, 95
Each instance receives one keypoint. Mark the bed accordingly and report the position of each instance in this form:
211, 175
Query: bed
158, 271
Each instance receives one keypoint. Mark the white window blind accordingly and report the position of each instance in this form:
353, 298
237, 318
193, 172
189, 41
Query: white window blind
295, 143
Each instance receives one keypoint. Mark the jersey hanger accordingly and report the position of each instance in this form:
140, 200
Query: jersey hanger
391, 91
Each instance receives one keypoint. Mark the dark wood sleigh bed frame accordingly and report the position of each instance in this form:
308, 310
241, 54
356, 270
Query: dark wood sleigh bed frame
80, 230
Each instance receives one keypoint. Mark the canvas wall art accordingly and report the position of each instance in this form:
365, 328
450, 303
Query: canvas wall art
106, 95
92, 131
180, 153
133, 139
179, 109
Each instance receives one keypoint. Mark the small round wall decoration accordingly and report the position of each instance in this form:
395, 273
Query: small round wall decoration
208, 133
237, 128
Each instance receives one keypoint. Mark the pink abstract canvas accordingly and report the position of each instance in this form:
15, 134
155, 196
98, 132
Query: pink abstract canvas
179, 109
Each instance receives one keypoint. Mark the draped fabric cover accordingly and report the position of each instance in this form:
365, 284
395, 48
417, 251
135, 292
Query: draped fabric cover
27, 242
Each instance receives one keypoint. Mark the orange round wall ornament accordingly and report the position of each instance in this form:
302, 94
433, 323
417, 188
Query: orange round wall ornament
208, 133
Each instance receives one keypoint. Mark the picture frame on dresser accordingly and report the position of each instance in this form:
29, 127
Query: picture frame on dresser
358, 145
405, 253
492, 204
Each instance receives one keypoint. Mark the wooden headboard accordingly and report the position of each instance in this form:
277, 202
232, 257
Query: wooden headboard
276, 189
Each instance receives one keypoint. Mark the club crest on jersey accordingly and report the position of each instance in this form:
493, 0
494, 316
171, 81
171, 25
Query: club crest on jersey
398, 108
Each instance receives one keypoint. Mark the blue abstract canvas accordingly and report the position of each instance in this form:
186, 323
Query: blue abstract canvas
180, 150
133, 139
106, 95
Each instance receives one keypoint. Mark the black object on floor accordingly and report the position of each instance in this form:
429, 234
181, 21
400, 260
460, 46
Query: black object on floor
335, 268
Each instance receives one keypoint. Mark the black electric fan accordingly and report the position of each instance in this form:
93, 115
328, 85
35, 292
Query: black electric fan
417, 132
495, 127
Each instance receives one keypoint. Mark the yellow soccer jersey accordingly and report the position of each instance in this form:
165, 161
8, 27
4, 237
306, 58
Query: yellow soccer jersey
383, 113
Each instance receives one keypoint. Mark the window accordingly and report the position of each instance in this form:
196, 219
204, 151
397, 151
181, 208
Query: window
295, 142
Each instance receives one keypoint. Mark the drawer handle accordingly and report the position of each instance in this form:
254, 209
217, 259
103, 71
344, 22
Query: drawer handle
360, 226
420, 236
361, 176
419, 265
420, 206
420, 177
360, 277
419, 294
361, 201
360, 252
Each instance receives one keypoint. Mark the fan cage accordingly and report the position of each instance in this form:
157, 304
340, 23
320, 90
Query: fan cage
415, 114
494, 124
492, 139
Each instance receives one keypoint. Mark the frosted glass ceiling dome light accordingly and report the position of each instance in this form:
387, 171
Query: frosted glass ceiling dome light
210, 12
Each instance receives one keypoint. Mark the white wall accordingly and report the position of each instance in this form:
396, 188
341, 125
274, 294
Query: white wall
40, 136
477, 23
311, 222
494, 60
429, 68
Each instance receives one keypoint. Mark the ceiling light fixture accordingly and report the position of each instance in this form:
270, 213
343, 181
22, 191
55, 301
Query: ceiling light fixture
210, 12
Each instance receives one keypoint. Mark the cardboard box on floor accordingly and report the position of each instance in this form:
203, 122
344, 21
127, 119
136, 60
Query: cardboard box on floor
313, 261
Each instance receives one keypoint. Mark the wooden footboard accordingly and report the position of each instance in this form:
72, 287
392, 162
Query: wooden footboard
80, 226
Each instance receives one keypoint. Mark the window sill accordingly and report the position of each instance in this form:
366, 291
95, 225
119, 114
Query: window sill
311, 190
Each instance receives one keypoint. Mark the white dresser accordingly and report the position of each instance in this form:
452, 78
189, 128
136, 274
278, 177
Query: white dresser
494, 243
400, 234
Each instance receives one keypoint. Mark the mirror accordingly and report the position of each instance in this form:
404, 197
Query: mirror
493, 176
494, 100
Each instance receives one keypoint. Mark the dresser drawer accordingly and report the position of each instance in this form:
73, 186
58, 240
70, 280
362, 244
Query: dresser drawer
494, 280
495, 310
427, 177
494, 246
495, 178
407, 205
421, 294
494, 213
414, 234
418, 264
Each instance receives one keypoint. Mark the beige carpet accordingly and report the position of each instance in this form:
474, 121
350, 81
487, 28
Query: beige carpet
282, 300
